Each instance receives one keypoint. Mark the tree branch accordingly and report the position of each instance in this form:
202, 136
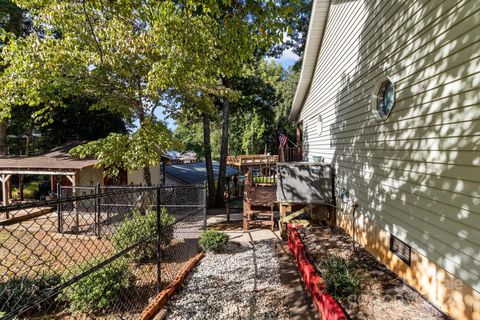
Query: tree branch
97, 41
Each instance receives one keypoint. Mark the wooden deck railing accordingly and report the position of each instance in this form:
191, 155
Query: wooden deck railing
290, 154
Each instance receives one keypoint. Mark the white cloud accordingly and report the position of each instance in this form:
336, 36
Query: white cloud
289, 55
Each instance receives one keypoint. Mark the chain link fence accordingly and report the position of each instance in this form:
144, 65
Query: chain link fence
96, 252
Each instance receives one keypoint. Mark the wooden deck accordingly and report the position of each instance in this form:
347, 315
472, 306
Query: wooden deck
243, 162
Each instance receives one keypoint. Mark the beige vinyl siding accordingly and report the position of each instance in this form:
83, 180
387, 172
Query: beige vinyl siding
90, 177
417, 174
136, 176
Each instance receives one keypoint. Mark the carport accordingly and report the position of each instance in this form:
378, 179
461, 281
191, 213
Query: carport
55, 163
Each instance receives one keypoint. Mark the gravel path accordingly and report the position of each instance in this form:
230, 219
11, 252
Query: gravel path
241, 283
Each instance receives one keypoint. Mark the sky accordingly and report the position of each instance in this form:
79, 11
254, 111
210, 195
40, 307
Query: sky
287, 59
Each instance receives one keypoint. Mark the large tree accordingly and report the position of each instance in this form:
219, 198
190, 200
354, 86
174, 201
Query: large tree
74, 122
129, 55
14, 22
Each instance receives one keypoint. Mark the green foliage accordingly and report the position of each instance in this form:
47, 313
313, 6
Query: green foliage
144, 226
191, 135
342, 277
17, 292
252, 138
213, 241
128, 151
99, 289
127, 55
261, 113
13, 20
28, 191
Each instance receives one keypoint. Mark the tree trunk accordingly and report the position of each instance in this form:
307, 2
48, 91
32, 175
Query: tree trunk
147, 176
29, 139
220, 200
3, 138
208, 159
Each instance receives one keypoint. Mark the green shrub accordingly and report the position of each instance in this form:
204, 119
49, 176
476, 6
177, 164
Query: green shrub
342, 277
213, 241
99, 289
141, 226
19, 291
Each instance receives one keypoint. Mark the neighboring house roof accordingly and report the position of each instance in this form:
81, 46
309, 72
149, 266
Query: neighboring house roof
176, 155
195, 173
318, 21
57, 159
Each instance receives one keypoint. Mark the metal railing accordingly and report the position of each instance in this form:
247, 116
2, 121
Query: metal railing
100, 253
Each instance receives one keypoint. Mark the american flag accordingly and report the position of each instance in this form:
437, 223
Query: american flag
283, 140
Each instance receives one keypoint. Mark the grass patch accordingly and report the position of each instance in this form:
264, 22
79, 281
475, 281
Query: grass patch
342, 277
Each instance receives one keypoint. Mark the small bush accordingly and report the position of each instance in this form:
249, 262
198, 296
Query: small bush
342, 277
17, 292
143, 226
213, 241
99, 289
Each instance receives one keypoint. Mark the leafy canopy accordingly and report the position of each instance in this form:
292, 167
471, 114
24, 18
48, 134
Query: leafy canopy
126, 151
129, 57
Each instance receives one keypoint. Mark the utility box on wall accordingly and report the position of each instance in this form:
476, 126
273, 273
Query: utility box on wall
304, 182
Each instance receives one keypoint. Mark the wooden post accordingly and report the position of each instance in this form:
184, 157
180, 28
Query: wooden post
53, 184
73, 180
299, 143
4, 189
4, 179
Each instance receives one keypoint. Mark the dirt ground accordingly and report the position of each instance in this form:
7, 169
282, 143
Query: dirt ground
33, 248
385, 296
30, 253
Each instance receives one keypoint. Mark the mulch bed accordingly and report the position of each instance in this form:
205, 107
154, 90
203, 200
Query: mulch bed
385, 296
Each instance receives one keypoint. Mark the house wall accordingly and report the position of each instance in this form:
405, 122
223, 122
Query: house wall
136, 176
417, 174
90, 177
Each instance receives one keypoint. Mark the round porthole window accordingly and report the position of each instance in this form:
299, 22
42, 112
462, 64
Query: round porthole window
383, 98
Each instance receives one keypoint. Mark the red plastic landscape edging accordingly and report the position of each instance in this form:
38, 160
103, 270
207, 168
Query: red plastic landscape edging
327, 306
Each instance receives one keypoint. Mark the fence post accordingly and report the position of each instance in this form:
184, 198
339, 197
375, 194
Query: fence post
59, 209
97, 210
205, 205
159, 238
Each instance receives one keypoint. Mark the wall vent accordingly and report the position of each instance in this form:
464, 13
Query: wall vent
400, 249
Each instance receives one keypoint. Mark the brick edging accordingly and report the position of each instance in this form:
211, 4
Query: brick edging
161, 299
328, 308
